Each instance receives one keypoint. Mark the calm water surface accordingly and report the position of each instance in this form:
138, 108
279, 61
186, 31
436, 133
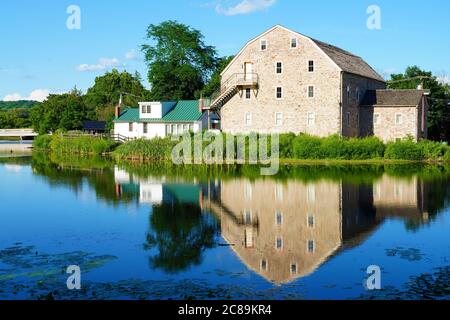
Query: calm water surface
146, 232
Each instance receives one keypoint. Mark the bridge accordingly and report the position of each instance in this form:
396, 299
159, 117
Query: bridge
20, 133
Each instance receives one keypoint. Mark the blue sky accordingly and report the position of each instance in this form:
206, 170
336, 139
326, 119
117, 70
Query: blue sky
40, 54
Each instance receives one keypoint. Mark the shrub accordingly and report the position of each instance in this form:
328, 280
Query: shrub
447, 154
286, 146
307, 147
81, 145
364, 149
404, 150
432, 150
42, 142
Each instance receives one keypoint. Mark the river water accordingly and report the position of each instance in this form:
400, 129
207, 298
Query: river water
162, 232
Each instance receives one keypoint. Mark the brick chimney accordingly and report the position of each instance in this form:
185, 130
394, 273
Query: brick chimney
200, 105
117, 112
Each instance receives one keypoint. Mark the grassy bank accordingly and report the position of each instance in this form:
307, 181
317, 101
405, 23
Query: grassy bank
82, 145
293, 149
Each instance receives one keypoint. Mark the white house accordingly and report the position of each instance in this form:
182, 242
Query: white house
160, 119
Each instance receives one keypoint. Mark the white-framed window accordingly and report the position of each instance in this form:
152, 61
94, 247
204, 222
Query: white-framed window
144, 109
279, 67
347, 120
311, 66
248, 119
264, 44
311, 92
279, 93
149, 109
398, 118
311, 118
294, 43
279, 243
376, 118
349, 93
311, 222
311, 246
279, 119
293, 268
311, 193
145, 129
130, 127
279, 218
248, 93
358, 94
264, 265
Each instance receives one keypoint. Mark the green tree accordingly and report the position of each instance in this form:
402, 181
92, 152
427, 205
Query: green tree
65, 111
15, 118
213, 84
179, 61
439, 112
104, 95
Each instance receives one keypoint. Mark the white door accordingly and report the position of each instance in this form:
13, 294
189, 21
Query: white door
248, 71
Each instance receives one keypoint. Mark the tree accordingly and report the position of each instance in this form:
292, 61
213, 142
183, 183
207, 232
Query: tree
439, 99
15, 119
104, 95
179, 61
65, 111
213, 84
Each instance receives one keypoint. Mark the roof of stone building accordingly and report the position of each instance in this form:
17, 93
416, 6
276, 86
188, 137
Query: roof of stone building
348, 62
390, 98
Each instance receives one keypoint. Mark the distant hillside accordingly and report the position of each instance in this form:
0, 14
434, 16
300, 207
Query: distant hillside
7, 105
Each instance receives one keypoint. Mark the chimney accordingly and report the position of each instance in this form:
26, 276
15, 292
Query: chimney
117, 111
201, 105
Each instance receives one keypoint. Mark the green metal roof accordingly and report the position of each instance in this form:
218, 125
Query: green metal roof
184, 111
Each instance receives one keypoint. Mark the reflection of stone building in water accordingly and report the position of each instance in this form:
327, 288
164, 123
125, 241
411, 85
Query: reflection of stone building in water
286, 230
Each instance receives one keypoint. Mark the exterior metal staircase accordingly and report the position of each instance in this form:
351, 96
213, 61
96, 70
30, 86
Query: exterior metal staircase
230, 88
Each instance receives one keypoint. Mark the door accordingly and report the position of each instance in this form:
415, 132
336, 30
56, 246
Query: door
248, 69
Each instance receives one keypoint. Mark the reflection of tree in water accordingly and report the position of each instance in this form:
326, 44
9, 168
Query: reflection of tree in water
181, 233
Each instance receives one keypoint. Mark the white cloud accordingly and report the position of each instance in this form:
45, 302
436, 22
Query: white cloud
243, 7
35, 95
131, 55
103, 64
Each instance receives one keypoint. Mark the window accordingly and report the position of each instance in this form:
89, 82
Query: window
376, 118
279, 93
348, 92
311, 92
263, 45
311, 222
168, 130
264, 265
311, 193
311, 246
311, 118
294, 43
185, 128
358, 94
149, 109
348, 119
248, 217
144, 109
180, 129
398, 118
174, 129
279, 218
279, 243
130, 127
145, 128
311, 66
279, 67
191, 128
248, 93
248, 119
293, 268
279, 119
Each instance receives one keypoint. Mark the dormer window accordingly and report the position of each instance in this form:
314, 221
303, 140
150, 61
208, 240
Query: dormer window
146, 109
263, 45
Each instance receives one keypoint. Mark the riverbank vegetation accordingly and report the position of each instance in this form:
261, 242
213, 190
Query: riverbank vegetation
291, 148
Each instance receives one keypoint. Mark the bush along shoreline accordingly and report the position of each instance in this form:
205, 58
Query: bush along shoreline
291, 148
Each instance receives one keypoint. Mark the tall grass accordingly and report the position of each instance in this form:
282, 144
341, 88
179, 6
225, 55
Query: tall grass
157, 149
82, 145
